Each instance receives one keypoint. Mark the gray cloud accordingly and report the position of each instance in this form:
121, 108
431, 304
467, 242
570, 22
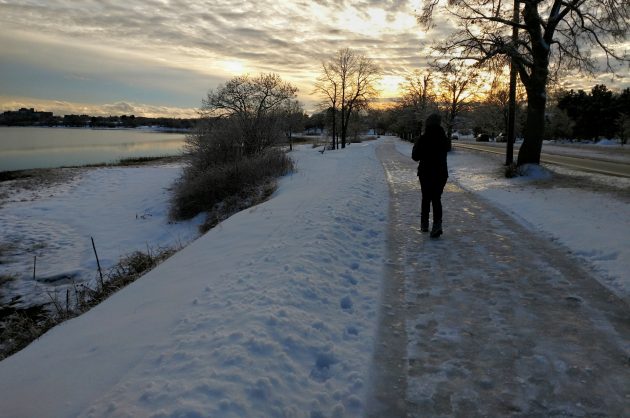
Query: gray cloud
240, 30
180, 45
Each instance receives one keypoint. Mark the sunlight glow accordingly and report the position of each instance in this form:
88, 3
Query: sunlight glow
234, 67
350, 19
390, 84
376, 21
70, 51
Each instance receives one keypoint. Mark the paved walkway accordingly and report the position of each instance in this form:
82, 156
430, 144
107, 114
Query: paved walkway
491, 319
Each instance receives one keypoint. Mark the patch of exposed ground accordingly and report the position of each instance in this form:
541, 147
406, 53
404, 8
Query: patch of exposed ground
30, 183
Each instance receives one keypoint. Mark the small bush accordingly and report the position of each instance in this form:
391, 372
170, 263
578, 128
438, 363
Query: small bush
201, 190
18, 330
126, 271
236, 203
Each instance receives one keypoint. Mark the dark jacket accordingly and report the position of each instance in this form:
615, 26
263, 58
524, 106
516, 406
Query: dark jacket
430, 151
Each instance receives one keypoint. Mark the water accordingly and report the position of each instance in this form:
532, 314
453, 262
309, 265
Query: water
30, 147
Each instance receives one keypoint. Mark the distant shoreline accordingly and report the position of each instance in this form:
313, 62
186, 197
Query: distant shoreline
158, 129
9, 175
31, 117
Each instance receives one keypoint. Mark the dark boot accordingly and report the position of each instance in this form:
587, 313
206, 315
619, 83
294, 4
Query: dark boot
436, 231
424, 225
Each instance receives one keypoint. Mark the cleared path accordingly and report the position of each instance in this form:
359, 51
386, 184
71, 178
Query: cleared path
490, 319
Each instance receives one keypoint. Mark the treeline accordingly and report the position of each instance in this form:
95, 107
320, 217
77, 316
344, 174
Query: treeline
600, 113
31, 117
581, 115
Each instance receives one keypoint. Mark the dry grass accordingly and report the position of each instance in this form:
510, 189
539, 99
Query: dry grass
20, 326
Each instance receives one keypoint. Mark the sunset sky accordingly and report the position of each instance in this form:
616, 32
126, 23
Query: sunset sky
160, 57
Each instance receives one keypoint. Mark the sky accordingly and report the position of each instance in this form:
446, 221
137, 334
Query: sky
160, 57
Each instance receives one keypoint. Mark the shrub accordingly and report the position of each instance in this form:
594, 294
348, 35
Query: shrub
201, 190
233, 152
18, 330
236, 203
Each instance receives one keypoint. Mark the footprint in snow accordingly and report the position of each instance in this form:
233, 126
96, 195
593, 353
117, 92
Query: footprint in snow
346, 303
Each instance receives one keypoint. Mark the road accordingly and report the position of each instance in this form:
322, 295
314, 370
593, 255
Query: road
591, 164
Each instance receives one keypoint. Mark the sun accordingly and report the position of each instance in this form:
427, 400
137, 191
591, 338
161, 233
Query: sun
233, 66
389, 85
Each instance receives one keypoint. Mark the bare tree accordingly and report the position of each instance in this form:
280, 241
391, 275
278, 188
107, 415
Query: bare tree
498, 99
418, 95
251, 105
230, 153
553, 34
327, 86
458, 82
347, 82
293, 119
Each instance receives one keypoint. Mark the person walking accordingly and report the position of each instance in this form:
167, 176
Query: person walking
430, 151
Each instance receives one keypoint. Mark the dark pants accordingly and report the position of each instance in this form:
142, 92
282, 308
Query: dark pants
432, 189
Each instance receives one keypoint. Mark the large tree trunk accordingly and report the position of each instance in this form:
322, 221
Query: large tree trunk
534, 126
536, 86
345, 122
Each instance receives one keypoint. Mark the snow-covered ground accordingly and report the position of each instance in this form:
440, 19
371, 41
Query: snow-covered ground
273, 313
124, 209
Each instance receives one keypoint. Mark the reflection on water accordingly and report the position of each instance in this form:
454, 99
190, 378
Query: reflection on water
29, 147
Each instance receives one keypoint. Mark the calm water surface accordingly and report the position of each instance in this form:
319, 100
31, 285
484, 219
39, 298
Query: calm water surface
30, 147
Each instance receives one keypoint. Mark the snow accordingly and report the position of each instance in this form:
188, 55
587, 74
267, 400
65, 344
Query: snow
604, 149
607, 143
124, 209
273, 313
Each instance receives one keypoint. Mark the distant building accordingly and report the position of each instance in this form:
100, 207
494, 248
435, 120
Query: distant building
31, 117
26, 117
77, 120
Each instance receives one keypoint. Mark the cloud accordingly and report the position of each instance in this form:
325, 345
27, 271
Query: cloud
60, 108
262, 32
171, 52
